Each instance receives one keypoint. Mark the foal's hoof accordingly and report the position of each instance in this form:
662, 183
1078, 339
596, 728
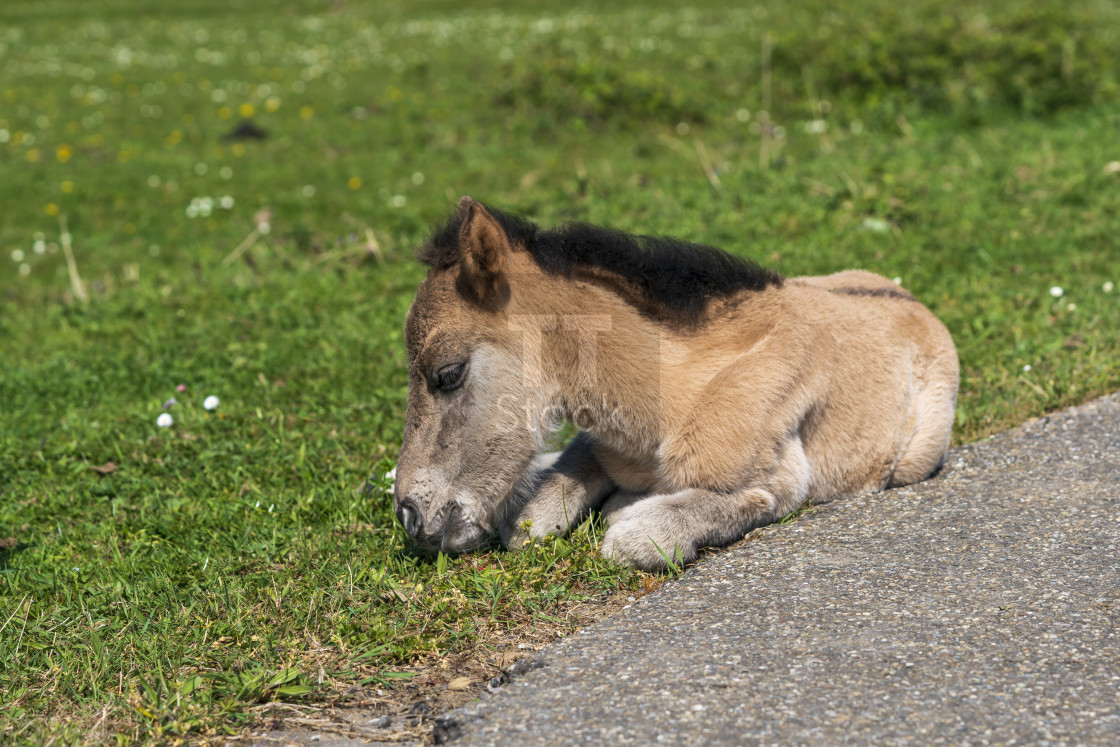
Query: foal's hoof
515, 537
629, 543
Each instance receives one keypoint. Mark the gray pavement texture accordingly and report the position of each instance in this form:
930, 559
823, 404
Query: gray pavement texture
980, 607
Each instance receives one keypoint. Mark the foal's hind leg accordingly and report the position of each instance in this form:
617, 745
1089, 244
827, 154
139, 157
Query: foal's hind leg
645, 531
556, 498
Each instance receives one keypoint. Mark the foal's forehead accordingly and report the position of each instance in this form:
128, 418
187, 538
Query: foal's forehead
435, 314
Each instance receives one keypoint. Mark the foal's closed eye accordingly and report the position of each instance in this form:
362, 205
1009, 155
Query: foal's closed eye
451, 377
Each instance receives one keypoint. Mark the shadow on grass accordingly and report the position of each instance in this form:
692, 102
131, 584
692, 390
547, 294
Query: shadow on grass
9, 546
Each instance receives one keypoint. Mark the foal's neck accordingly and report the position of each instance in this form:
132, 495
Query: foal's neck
600, 359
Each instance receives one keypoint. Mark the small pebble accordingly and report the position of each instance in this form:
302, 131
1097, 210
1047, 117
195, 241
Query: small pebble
459, 683
382, 722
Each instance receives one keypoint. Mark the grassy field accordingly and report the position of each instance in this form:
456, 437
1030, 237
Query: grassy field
188, 582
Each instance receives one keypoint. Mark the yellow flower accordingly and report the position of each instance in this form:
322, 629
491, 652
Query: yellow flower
272, 104
63, 153
68, 186
306, 112
51, 209
246, 110
354, 183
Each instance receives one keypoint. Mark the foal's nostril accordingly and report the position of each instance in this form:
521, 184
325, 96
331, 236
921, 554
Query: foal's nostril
410, 518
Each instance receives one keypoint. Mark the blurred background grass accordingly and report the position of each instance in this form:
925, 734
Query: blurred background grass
968, 149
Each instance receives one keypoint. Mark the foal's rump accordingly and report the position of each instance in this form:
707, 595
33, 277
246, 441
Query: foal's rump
892, 384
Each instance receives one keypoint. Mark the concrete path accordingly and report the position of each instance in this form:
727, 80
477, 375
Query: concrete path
978, 608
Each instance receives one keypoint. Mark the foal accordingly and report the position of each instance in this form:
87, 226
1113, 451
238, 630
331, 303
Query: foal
712, 395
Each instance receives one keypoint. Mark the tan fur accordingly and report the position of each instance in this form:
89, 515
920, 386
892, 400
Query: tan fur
818, 388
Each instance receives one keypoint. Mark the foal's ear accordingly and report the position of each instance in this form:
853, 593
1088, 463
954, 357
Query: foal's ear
485, 253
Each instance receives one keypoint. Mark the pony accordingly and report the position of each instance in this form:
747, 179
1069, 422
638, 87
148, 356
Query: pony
711, 395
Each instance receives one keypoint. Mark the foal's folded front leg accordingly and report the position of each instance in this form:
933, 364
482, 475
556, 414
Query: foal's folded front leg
647, 531
556, 498
675, 526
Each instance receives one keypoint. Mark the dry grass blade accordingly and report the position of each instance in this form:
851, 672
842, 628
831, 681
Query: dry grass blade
372, 245
706, 164
242, 247
76, 284
14, 612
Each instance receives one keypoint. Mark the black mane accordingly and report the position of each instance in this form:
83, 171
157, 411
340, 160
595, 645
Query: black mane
667, 279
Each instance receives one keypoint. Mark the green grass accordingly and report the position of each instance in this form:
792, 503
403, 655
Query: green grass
249, 554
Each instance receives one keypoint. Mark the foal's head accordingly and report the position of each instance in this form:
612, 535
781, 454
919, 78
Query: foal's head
469, 430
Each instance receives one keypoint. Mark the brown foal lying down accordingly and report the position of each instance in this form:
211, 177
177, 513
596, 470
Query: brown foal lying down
712, 395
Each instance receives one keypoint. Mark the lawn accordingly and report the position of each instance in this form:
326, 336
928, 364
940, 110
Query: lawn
193, 581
